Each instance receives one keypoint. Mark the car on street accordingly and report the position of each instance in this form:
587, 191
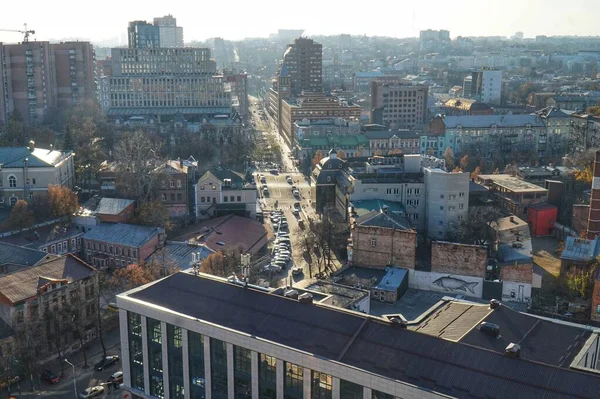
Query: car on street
280, 263
296, 212
116, 378
265, 190
49, 376
92, 392
296, 193
274, 171
106, 362
289, 180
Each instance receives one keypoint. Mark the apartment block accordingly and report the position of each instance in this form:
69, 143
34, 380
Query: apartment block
304, 61
169, 33
484, 85
398, 105
142, 34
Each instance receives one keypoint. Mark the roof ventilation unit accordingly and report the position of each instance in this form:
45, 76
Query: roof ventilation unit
513, 350
495, 304
490, 329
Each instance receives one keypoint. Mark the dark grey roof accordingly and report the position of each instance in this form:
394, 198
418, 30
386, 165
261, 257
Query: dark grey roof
41, 236
120, 233
113, 206
13, 157
238, 180
179, 253
381, 219
367, 343
484, 121
17, 255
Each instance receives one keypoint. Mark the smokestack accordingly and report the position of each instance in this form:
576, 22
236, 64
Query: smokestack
593, 227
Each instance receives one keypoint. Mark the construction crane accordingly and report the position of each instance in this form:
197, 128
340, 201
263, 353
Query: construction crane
25, 32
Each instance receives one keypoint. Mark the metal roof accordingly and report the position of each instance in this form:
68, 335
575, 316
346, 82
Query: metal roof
179, 253
392, 280
113, 206
15, 254
13, 157
580, 249
379, 218
124, 234
502, 121
367, 342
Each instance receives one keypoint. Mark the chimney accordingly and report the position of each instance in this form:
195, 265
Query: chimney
385, 209
593, 226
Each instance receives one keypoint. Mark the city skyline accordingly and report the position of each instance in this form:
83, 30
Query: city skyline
536, 17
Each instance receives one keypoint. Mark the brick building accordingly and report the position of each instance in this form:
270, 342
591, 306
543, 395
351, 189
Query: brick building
461, 259
381, 239
119, 245
172, 188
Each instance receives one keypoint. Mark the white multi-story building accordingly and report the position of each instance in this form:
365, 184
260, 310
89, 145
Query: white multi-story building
446, 200
484, 85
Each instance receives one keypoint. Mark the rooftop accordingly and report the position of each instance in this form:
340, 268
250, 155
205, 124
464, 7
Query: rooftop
113, 206
512, 183
17, 255
383, 218
471, 369
37, 237
123, 234
24, 284
501, 121
179, 253
238, 180
366, 206
393, 279
388, 134
580, 249
325, 292
13, 157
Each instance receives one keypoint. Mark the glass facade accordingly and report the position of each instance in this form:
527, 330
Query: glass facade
380, 395
175, 357
155, 357
350, 390
196, 362
242, 358
218, 368
321, 385
267, 377
294, 381
136, 356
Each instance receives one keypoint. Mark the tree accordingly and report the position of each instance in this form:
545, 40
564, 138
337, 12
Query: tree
476, 172
580, 282
307, 240
511, 169
20, 216
584, 163
317, 158
341, 154
594, 110
134, 275
57, 328
62, 201
449, 158
222, 263
153, 213
13, 134
475, 227
464, 162
86, 146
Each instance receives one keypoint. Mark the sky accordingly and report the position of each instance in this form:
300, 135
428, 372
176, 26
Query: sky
238, 19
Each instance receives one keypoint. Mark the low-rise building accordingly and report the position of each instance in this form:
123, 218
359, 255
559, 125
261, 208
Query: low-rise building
385, 142
466, 106
173, 187
513, 194
56, 238
353, 146
120, 244
14, 257
223, 191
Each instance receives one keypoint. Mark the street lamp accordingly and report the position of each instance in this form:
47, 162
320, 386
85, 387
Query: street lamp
74, 380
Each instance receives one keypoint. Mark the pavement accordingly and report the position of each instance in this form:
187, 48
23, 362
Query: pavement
84, 376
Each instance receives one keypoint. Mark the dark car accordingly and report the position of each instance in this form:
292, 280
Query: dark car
49, 376
106, 362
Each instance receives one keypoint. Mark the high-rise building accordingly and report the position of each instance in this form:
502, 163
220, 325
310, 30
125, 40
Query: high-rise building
170, 34
304, 62
36, 77
143, 35
431, 39
484, 85
398, 105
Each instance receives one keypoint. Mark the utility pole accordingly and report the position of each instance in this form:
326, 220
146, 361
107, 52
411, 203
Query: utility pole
74, 379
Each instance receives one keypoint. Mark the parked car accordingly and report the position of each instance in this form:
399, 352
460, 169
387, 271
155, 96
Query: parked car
279, 262
289, 180
106, 362
296, 212
296, 193
116, 378
49, 376
92, 392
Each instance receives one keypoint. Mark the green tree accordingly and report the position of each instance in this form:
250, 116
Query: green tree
13, 134
476, 226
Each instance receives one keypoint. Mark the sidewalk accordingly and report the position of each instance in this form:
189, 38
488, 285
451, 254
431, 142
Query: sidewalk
94, 354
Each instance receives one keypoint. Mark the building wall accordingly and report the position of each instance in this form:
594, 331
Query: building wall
450, 284
118, 255
453, 258
75, 72
205, 195
123, 216
447, 201
595, 312
404, 105
392, 247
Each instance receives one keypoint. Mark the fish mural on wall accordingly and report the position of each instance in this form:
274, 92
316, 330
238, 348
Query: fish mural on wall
450, 283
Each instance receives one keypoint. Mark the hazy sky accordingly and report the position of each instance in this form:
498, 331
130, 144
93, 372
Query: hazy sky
237, 19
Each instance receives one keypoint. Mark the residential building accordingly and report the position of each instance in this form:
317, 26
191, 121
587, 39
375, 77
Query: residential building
58, 238
239, 89
432, 144
304, 61
28, 295
351, 145
362, 80
142, 34
324, 180
170, 35
466, 106
172, 188
313, 107
382, 238
36, 77
484, 85
384, 142
215, 338
306, 128
446, 201
26, 172
584, 133
513, 194
493, 136
15, 257
118, 245
431, 39
576, 102
398, 105
223, 191
337, 76
558, 129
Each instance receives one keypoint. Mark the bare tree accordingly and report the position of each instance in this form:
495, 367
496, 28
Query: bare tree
475, 227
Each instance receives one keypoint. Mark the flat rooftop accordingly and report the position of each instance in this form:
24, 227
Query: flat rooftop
512, 183
370, 343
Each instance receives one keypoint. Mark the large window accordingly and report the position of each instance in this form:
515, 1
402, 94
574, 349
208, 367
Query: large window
155, 357
350, 390
136, 356
321, 385
242, 372
380, 395
294, 381
218, 368
267, 375
196, 361
175, 357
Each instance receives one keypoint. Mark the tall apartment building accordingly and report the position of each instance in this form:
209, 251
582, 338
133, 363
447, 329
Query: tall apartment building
36, 77
446, 200
430, 39
484, 85
398, 105
304, 61
170, 34
142, 34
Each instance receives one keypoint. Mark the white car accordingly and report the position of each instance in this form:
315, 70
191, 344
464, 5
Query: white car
92, 392
296, 193
289, 180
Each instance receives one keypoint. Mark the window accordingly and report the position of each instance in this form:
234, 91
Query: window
294, 381
461, 195
172, 197
154, 333
328, 179
242, 372
239, 198
267, 384
231, 198
172, 183
461, 206
163, 184
178, 183
196, 362
163, 197
441, 196
218, 368
321, 385
441, 207
12, 181
373, 242
350, 390
201, 199
225, 198
179, 197
175, 359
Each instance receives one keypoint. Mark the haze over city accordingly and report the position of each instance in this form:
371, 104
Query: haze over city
241, 19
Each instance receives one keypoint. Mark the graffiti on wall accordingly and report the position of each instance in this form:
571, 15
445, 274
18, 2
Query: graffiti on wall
516, 292
450, 283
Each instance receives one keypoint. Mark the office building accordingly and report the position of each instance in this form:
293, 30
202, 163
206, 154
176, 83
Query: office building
170, 34
189, 336
36, 77
398, 105
142, 34
304, 62
484, 85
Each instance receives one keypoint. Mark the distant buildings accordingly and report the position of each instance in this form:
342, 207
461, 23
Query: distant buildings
484, 85
398, 105
431, 39
142, 34
170, 34
36, 77
304, 61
